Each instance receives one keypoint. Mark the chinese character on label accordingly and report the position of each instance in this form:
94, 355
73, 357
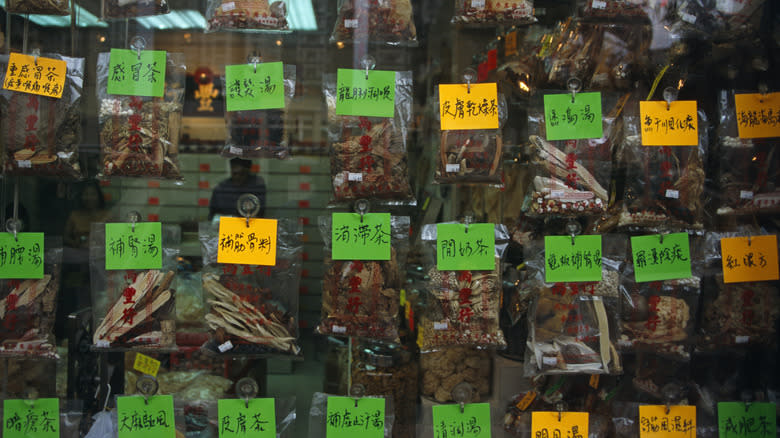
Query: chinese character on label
545, 424
749, 259
22, 419
132, 73
572, 260
473, 422
361, 237
346, 418
21, 256
567, 119
247, 241
133, 246
139, 417
358, 95
752, 420
672, 124
758, 115
35, 75
461, 247
239, 419
463, 106
656, 422
254, 86
661, 257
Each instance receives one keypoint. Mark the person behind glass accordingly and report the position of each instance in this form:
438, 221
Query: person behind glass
225, 196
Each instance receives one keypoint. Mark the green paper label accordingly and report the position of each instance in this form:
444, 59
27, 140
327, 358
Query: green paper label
22, 258
139, 419
236, 420
474, 422
567, 120
31, 418
356, 238
346, 420
567, 261
661, 257
754, 420
139, 248
465, 248
131, 75
358, 96
250, 87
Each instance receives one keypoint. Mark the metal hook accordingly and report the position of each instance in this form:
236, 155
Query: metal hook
248, 205
133, 217
661, 238
138, 43
572, 239
357, 391
461, 393
670, 95
254, 58
368, 63
247, 388
469, 76
574, 228
361, 208
574, 84
467, 220
750, 240
559, 408
668, 408
35, 54
147, 386
12, 226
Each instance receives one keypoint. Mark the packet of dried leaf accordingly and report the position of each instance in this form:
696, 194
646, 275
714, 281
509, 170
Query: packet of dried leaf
46, 7
120, 9
246, 15
41, 134
28, 308
443, 369
461, 307
360, 297
615, 10
139, 136
254, 309
133, 308
388, 22
480, 12
368, 156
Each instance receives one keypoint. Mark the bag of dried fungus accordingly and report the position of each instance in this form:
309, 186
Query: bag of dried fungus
121, 9
41, 134
485, 12
388, 22
368, 156
360, 298
246, 15
461, 307
46, 7
139, 136
443, 369
134, 308
28, 307
254, 309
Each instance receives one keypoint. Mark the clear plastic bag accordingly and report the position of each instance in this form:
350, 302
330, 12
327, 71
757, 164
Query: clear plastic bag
515, 12
443, 369
446, 320
139, 136
715, 19
28, 308
246, 15
133, 308
47, 7
120, 9
381, 21
260, 133
615, 10
318, 416
41, 134
368, 154
372, 312
255, 308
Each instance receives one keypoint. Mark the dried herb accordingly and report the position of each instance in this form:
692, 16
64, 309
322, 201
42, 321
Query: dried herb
385, 21
444, 369
469, 156
246, 14
47, 7
494, 12
131, 9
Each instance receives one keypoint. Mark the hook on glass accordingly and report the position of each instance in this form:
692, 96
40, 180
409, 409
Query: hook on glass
138, 43
469, 76
254, 58
361, 208
574, 85
368, 63
670, 95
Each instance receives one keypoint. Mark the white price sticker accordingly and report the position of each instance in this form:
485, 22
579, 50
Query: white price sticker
599, 4
354, 176
745, 194
672, 194
478, 4
556, 194
440, 326
549, 361
452, 168
688, 18
24, 164
229, 6
351, 23
339, 329
235, 151
102, 343
742, 339
225, 347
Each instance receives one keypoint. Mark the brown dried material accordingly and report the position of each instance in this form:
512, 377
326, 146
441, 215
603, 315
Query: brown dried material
742, 313
748, 182
246, 14
388, 21
494, 12
444, 369
27, 316
47, 7
473, 156
132, 9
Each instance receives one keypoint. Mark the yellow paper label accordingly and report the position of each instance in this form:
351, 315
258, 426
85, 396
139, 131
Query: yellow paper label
758, 115
594, 381
510, 44
677, 125
749, 259
41, 76
468, 107
247, 243
564, 424
146, 364
526, 401
655, 422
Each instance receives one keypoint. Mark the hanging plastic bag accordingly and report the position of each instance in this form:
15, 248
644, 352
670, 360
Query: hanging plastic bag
260, 133
382, 21
254, 309
318, 416
104, 425
615, 10
443, 369
368, 156
139, 136
246, 15
481, 12
720, 20
46, 7
41, 134
134, 308
28, 308
120, 9
360, 297
623, 50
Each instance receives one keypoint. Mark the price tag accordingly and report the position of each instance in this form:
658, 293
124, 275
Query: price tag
346, 420
139, 419
749, 259
131, 75
229, 6
248, 88
672, 194
461, 108
599, 4
356, 239
236, 420
655, 422
567, 261
526, 401
510, 44
252, 243
465, 248
478, 4
351, 23
358, 96
570, 425
21, 257
226, 346
567, 120
473, 422
758, 115
688, 18
146, 364
31, 419
676, 126
450, 168
356, 176
139, 248
655, 260
41, 76
754, 420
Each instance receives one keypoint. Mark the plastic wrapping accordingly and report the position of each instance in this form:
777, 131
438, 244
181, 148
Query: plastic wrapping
254, 308
368, 154
360, 297
494, 12
246, 15
47, 7
382, 21
153, 124
133, 308
615, 9
28, 308
715, 19
104, 425
120, 9
318, 416
444, 369
260, 133
446, 320
41, 134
